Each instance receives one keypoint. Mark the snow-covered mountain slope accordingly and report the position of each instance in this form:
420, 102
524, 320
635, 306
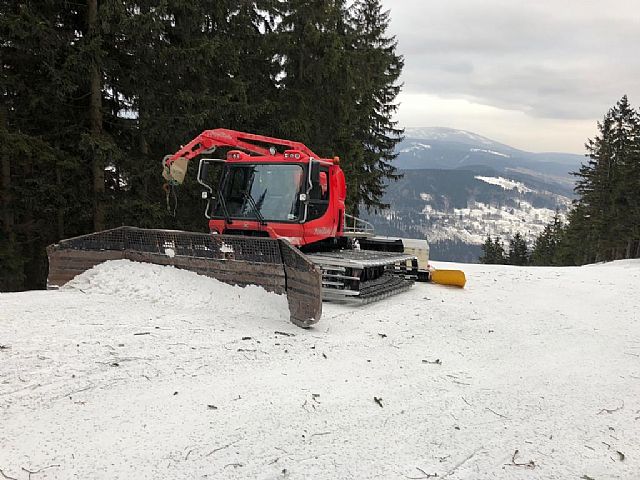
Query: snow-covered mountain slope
528, 373
472, 224
451, 135
505, 183
456, 210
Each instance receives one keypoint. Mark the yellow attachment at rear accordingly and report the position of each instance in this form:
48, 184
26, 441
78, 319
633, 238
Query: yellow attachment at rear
455, 278
175, 172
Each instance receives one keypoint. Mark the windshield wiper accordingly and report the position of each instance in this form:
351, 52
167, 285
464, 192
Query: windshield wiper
223, 203
252, 202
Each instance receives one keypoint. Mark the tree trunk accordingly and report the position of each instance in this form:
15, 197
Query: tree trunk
143, 144
60, 211
7, 211
144, 152
95, 119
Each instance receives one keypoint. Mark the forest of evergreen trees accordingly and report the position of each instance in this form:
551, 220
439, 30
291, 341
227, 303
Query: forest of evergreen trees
96, 92
604, 223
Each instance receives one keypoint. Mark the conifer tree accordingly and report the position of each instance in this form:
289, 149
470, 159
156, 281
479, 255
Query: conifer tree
377, 69
313, 39
44, 181
545, 250
339, 88
518, 251
492, 251
542, 251
96, 92
498, 249
572, 249
183, 67
604, 217
487, 256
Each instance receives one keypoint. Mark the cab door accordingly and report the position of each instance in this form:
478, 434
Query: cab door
320, 222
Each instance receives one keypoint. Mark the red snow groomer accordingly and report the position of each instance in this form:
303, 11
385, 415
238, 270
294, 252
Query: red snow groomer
269, 187
277, 219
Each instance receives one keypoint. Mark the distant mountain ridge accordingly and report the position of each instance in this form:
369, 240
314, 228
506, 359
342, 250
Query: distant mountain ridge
448, 148
458, 187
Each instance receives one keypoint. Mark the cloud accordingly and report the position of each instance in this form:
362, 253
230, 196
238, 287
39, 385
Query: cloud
566, 60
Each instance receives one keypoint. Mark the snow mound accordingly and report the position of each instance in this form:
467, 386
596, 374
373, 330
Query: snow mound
170, 286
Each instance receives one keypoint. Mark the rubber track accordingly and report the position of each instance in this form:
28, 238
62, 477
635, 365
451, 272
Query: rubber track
383, 287
371, 291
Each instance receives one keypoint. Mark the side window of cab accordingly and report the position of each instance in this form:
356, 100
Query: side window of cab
319, 195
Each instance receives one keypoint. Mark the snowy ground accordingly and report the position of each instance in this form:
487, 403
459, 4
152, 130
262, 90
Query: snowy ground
147, 372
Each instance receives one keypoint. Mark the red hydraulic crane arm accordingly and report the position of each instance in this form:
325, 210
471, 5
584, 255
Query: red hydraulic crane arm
221, 137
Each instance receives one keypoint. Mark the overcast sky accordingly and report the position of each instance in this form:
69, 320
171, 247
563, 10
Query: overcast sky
534, 74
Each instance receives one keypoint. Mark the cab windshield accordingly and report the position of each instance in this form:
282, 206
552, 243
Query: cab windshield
271, 189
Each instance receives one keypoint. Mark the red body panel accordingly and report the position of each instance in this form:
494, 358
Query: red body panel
328, 225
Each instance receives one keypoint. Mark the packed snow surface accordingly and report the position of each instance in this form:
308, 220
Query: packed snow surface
142, 372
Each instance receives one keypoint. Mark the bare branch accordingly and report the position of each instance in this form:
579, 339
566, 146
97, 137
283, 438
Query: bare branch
496, 413
530, 464
459, 464
33, 472
425, 475
223, 447
285, 334
7, 477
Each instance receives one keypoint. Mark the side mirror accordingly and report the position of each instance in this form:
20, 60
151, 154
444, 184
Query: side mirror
203, 171
315, 173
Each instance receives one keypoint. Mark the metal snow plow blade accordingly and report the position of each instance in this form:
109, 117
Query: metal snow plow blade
454, 278
272, 264
364, 276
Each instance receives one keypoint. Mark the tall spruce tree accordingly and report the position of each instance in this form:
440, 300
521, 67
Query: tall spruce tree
339, 85
626, 195
518, 251
313, 40
604, 215
492, 251
498, 249
96, 92
487, 255
45, 192
377, 69
545, 250
182, 67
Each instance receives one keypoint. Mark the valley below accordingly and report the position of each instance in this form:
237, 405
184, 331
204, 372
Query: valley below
458, 187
